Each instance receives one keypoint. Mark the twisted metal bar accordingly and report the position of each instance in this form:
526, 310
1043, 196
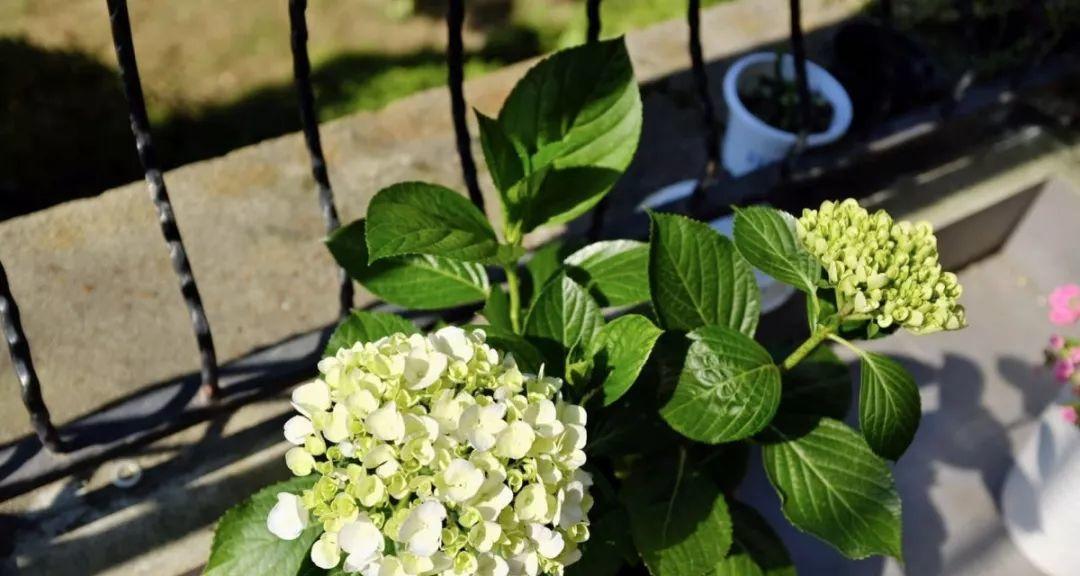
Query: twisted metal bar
802, 86
21, 359
310, 122
455, 63
708, 111
140, 127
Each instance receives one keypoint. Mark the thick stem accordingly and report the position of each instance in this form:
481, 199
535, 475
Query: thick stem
804, 349
514, 286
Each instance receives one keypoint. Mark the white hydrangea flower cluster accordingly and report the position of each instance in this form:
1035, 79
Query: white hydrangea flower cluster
436, 455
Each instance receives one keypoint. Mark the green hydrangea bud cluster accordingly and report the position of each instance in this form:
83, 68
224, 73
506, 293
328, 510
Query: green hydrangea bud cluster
883, 270
436, 455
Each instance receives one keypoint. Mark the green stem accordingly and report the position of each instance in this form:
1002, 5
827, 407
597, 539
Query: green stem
804, 349
858, 351
514, 287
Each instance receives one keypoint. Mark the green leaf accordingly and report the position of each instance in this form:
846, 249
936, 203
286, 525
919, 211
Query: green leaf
833, 486
243, 545
620, 351
756, 550
543, 266
527, 356
889, 405
422, 218
820, 385
504, 163
679, 520
574, 121
497, 309
767, 238
615, 272
563, 317
363, 326
414, 282
729, 388
608, 546
697, 278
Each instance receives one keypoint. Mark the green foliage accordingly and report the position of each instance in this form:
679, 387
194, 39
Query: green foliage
756, 549
615, 272
697, 278
563, 317
833, 486
497, 309
679, 520
243, 545
363, 326
729, 388
620, 351
609, 546
421, 218
566, 133
767, 239
820, 385
421, 282
527, 356
544, 264
889, 406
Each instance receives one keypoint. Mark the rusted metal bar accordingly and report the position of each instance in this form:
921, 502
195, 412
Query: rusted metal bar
455, 63
310, 123
140, 127
21, 359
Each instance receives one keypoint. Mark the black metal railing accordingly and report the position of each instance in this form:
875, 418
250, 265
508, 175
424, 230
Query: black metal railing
158, 410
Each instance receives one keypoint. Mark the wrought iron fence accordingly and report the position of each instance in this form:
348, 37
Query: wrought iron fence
150, 415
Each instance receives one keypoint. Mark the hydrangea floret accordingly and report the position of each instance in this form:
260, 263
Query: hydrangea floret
885, 271
436, 455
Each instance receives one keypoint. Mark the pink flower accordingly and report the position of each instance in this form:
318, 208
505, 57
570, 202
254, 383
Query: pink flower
1065, 304
1069, 414
1074, 356
1063, 370
1057, 342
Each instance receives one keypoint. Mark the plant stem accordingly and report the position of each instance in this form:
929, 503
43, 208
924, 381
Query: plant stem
514, 286
847, 345
804, 349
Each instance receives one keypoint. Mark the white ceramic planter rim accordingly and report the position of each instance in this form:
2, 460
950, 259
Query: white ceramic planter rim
819, 80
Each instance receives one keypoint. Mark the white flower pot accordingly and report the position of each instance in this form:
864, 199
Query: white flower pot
1041, 499
750, 143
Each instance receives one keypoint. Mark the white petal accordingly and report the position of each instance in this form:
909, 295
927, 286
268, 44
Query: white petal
426, 542
491, 565
338, 429
386, 423
311, 397
325, 553
525, 564
362, 539
297, 429
288, 518
453, 342
549, 543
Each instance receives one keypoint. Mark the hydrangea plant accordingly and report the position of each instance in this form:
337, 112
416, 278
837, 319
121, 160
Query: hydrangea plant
468, 451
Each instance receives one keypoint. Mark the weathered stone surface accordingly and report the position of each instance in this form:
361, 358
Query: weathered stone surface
100, 303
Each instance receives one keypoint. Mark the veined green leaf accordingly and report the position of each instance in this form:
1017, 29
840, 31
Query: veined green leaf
620, 352
497, 309
543, 265
362, 326
615, 272
729, 388
889, 405
415, 282
573, 122
833, 486
421, 218
679, 520
563, 317
697, 278
526, 355
756, 550
243, 545
767, 238
607, 548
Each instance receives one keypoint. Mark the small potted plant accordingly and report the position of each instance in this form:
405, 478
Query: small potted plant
1041, 500
764, 120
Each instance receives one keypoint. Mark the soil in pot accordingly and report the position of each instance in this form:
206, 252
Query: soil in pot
775, 101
